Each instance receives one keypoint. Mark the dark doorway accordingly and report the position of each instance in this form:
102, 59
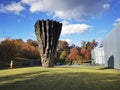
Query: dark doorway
111, 62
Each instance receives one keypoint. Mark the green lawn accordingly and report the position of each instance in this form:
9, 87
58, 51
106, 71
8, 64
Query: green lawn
60, 78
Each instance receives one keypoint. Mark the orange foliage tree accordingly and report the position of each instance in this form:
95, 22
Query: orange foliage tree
26, 50
63, 45
74, 54
62, 52
11, 48
85, 51
7, 50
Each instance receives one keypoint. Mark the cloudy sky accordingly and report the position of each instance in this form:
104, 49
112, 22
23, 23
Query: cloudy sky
82, 19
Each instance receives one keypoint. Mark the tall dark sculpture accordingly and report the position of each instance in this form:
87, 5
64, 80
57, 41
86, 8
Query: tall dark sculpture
47, 33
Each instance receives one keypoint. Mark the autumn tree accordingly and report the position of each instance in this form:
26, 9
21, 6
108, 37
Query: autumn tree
27, 50
90, 47
74, 54
63, 45
32, 42
7, 50
83, 44
11, 48
86, 48
63, 56
62, 51
83, 51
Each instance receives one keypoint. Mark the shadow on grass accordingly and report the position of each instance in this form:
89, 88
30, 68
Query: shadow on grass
105, 68
47, 80
19, 77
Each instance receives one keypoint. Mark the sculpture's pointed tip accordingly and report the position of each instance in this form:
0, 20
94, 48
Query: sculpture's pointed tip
47, 20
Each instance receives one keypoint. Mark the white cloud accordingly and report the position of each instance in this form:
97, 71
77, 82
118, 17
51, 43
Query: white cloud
75, 28
29, 1
68, 40
117, 24
69, 9
14, 7
64, 22
63, 9
39, 5
106, 6
2, 39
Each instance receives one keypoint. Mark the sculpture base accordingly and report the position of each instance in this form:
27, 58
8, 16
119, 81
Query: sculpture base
47, 63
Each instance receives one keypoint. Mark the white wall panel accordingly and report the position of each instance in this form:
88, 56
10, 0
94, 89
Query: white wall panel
98, 55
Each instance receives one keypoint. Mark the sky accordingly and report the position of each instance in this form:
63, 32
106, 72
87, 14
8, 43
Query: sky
82, 19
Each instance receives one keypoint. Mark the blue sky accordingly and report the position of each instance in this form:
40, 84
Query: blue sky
82, 19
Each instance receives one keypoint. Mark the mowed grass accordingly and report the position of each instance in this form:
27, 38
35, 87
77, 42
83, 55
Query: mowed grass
60, 78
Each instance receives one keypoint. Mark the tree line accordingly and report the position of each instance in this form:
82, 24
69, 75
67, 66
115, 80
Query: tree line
75, 54
13, 48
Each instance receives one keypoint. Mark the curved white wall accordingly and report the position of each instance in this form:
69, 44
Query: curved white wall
112, 49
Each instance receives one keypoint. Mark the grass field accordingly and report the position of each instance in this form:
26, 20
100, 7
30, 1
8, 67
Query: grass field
60, 78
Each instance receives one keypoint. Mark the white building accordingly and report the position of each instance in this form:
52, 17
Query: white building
98, 55
112, 49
